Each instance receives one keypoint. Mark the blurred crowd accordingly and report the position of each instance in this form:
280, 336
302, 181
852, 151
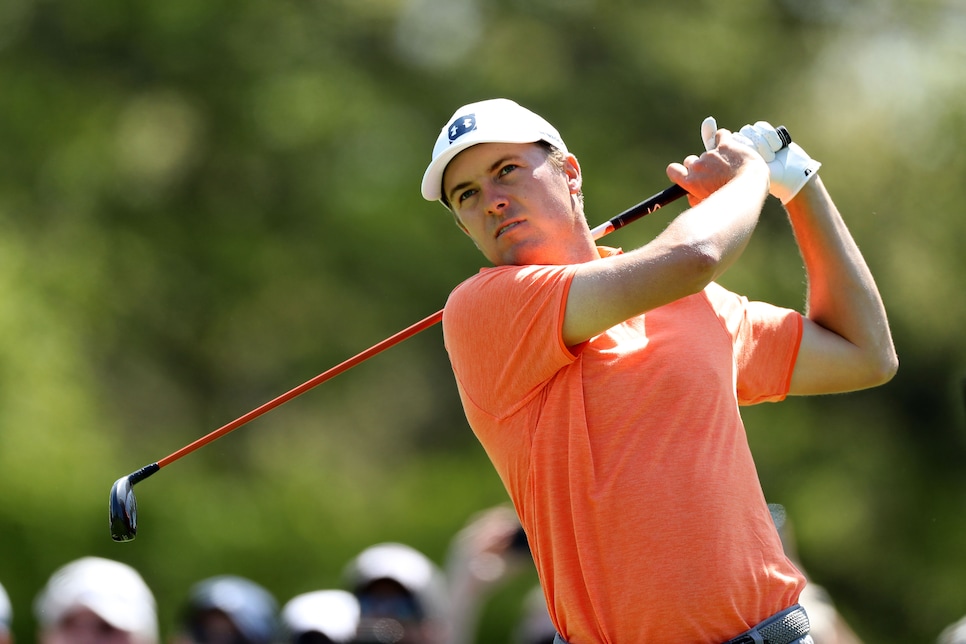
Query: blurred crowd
392, 594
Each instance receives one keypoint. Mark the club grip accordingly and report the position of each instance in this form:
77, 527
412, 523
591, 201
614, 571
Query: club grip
784, 135
646, 207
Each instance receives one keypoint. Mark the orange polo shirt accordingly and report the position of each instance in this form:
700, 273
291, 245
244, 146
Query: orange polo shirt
626, 457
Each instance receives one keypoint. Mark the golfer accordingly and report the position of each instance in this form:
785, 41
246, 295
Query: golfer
605, 386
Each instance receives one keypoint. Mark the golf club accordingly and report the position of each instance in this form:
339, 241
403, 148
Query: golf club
123, 505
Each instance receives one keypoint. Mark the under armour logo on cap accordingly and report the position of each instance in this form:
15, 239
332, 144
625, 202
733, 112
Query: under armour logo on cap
461, 126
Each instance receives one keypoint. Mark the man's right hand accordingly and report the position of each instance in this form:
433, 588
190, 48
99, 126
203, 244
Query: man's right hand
726, 155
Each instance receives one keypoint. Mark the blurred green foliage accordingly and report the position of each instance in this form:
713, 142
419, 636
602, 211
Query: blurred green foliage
204, 204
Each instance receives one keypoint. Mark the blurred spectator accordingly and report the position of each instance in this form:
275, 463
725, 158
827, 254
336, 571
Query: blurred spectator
402, 596
535, 626
321, 617
488, 551
954, 633
827, 626
6, 617
229, 610
96, 601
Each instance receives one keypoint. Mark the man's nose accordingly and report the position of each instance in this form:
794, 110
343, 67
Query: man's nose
496, 200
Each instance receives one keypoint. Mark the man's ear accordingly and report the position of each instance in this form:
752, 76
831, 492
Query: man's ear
574, 177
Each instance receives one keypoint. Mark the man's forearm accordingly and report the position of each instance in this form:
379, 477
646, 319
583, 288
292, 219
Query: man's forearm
694, 249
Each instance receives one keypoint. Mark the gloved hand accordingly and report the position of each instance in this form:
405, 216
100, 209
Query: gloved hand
790, 167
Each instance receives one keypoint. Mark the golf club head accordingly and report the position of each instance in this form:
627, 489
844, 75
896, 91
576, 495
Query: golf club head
124, 510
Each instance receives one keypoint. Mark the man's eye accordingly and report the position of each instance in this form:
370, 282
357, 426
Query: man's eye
466, 194
508, 168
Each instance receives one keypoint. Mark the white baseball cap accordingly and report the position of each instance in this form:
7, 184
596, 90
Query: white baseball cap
497, 120
954, 633
405, 565
333, 613
113, 591
6, 612
249, 605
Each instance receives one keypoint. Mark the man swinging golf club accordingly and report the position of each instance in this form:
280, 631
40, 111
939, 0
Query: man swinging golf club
605, 386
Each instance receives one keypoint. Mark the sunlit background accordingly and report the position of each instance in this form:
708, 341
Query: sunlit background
204, 204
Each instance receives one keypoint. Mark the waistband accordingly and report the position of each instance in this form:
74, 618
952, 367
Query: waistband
787, 627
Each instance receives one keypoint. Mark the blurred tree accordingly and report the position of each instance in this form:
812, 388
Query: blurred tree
205, 204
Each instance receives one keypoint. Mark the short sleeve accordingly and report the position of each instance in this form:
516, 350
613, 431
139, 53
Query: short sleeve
766, 340
503, 331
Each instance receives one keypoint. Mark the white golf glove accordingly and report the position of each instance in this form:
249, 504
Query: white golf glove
790, 167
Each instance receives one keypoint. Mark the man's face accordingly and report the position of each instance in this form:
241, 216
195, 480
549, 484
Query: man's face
214, 627
517, 206
390, 613
83, 626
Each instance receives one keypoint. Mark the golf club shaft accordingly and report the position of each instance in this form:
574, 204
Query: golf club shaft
406, 333
632, 214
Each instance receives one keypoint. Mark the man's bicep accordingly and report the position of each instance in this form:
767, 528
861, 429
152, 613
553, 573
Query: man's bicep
827, 363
